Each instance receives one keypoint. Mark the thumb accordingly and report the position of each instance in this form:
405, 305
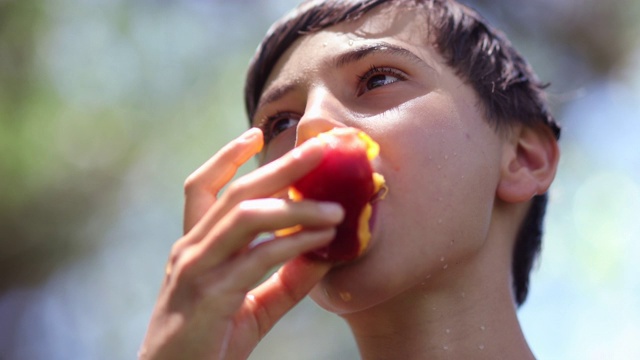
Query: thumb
285, 289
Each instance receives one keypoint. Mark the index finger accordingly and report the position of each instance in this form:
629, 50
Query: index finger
263, 182
269, 179
203, 185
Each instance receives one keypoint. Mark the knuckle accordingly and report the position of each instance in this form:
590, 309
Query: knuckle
183, 268
176, 250
191, 182
262, 315
236, 190
182, 260
243, 213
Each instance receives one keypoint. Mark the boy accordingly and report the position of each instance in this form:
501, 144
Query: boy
468, 151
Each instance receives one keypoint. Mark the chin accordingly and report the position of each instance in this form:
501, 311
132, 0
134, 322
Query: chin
341, 302
347, 288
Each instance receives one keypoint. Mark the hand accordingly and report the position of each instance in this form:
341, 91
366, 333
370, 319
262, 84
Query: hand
208, 307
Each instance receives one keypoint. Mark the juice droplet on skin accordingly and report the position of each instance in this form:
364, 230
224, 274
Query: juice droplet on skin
480, 347
445, 266
345, 296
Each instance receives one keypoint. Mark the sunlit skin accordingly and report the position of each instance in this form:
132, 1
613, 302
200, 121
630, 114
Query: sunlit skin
435, 282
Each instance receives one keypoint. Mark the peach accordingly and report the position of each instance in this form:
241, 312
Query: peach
344, 176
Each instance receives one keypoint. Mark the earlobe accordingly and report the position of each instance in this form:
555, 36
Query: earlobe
529, 163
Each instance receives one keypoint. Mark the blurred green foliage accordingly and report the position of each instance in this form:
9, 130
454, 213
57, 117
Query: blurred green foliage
45, 196
88, 89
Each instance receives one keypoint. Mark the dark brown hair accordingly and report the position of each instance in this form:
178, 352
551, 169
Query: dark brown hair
506, 85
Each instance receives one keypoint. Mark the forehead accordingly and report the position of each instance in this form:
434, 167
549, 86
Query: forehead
408, 23
406, 27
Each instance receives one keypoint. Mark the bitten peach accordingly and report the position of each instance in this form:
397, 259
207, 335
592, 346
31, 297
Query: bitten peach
344, 176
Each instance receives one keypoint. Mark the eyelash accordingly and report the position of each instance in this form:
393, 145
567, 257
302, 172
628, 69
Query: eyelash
266, 124
374, 71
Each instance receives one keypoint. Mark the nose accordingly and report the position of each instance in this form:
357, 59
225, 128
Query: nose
323, 112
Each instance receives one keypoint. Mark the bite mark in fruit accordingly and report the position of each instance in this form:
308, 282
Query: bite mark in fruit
344, 176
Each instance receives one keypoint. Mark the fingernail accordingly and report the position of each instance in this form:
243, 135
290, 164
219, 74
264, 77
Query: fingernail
250, 134
332, 210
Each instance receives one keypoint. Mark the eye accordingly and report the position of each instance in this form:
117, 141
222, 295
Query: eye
377, 77
272, 126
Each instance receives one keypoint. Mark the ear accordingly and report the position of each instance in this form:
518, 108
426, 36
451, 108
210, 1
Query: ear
529, 163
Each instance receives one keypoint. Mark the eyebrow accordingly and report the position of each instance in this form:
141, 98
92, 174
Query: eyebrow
275, 94
342, 60
362, 52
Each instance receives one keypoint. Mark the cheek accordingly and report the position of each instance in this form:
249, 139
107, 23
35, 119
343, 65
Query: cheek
278, 146
447, 170
442, 168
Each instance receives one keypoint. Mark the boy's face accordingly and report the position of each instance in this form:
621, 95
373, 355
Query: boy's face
440, 158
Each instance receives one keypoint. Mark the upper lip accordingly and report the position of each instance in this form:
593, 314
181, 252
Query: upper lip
382, 191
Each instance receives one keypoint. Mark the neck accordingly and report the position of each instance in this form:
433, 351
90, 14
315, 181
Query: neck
466, 313
460, 326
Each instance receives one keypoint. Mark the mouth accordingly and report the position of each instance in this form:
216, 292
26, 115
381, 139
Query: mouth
370, 213
382, 190
372, 219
